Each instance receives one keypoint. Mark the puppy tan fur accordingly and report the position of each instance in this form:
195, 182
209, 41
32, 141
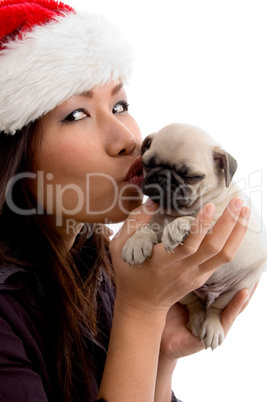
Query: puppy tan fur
183, 170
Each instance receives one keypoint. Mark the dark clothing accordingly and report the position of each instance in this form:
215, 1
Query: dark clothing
27, 361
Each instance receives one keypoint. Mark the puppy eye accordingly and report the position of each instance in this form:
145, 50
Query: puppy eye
146, 145
120, 107
194, 179
76, 115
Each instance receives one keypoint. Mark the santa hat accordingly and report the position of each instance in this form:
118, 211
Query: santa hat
48, 53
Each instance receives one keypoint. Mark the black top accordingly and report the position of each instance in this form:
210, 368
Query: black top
27, 366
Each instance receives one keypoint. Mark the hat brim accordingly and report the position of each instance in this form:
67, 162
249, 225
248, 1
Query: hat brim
55, 61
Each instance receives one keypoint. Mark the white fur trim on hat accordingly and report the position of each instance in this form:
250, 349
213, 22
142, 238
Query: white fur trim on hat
55, 61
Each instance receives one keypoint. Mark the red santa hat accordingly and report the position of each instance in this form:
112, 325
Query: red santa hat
48, 53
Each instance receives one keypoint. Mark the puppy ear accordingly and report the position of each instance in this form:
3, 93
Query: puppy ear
224, 161
146, 143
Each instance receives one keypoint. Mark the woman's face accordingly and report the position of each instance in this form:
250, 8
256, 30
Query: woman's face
88, 165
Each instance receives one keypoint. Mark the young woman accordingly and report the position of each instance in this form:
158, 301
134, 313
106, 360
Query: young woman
76, 322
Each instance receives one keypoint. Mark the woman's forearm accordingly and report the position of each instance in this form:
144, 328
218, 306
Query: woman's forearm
132, 360
163, 389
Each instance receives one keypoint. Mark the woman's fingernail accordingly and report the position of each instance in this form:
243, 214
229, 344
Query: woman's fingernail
238, 204
210, 209
246, 295
247, 213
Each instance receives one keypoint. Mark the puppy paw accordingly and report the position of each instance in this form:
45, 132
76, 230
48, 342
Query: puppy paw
195, 322
138, 247
175, 232
211, 334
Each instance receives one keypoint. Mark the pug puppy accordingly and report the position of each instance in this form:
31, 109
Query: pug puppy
183, 170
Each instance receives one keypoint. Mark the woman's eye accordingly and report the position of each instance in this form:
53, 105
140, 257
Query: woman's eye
120, 107
78, 114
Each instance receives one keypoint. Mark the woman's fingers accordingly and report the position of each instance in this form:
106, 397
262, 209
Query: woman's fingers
199, 229
216, 239
247, 300
233, 235
235, 307
203, 244
204, 248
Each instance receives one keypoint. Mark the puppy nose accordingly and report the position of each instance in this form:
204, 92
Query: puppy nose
164, 182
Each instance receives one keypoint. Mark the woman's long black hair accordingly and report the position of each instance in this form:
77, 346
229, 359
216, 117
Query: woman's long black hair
30, 242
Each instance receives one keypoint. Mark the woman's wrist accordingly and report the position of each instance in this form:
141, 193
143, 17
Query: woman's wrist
140, 309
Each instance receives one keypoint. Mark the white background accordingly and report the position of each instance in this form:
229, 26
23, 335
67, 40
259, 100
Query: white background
204, 63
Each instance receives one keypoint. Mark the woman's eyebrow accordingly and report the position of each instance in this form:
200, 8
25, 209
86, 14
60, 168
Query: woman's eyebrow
116, 89
88, 94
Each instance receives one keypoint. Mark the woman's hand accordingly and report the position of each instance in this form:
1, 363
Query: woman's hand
166, 278
144, 296
178, 341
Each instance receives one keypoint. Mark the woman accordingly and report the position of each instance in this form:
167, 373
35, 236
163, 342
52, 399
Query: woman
69, 157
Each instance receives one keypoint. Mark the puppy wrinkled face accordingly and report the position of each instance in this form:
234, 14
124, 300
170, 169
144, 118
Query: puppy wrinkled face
171, 187
169, 179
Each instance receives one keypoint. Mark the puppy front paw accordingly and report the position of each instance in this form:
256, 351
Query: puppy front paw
138, 247
175, 232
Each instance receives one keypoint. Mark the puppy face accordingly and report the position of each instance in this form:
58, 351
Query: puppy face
183, 165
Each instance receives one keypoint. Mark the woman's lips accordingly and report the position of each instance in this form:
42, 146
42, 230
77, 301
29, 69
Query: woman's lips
135, 173
137, 180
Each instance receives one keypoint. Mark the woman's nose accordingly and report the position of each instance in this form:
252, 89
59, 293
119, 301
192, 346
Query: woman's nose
120, 139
